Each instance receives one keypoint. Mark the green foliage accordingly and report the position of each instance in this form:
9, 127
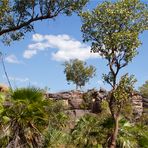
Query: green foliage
105, 107
3, 8
42, 123
115, 25
90, 131
93, 130
77, 72
144, 89
17, 16
55, 138
25, 117
120, 97
88, 98
143, 120
132, 135
124, 89
126, 138
27, 94
114, 30
55, 133
2, 98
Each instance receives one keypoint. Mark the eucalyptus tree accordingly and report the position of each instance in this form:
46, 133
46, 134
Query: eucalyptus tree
17, 17
78, 72
114, 28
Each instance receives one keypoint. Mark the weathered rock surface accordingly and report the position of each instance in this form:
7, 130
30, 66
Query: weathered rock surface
137, 101
74, 101
74, 98
65, 95
145, 105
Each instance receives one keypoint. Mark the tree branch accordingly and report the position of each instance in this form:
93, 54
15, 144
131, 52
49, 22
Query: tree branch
37, 18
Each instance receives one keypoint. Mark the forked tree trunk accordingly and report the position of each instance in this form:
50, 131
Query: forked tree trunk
115, 133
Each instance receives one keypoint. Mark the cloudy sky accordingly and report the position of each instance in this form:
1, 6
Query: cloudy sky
37, 60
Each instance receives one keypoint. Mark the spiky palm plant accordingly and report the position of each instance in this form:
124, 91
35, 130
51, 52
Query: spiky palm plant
26, 117
91, 131
56, 134
126, 137
132, 135
95, 130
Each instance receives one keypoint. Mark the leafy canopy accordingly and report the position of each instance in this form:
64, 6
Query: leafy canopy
113, 29
78, 72
121, 96
17, 16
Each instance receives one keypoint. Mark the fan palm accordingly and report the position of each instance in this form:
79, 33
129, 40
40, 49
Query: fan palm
132, 135
24, 118
92, 131
56, 134
30, 120
95, 130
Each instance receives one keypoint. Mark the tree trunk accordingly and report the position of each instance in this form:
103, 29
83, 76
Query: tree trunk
115, 133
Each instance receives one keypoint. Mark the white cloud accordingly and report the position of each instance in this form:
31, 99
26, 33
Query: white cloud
29, 53
67, 47
12, 59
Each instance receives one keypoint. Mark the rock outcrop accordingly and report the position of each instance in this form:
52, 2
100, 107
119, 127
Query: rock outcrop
137, 102
74, 100
145, 105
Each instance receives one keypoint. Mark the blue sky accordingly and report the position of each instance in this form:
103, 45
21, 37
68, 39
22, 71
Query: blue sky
37, 59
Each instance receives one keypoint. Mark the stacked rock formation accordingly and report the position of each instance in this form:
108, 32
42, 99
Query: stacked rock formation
71, 98
77, 104
74, 100
137, 102
145, 105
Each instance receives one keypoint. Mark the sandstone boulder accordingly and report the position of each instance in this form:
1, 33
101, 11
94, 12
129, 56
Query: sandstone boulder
137, 102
